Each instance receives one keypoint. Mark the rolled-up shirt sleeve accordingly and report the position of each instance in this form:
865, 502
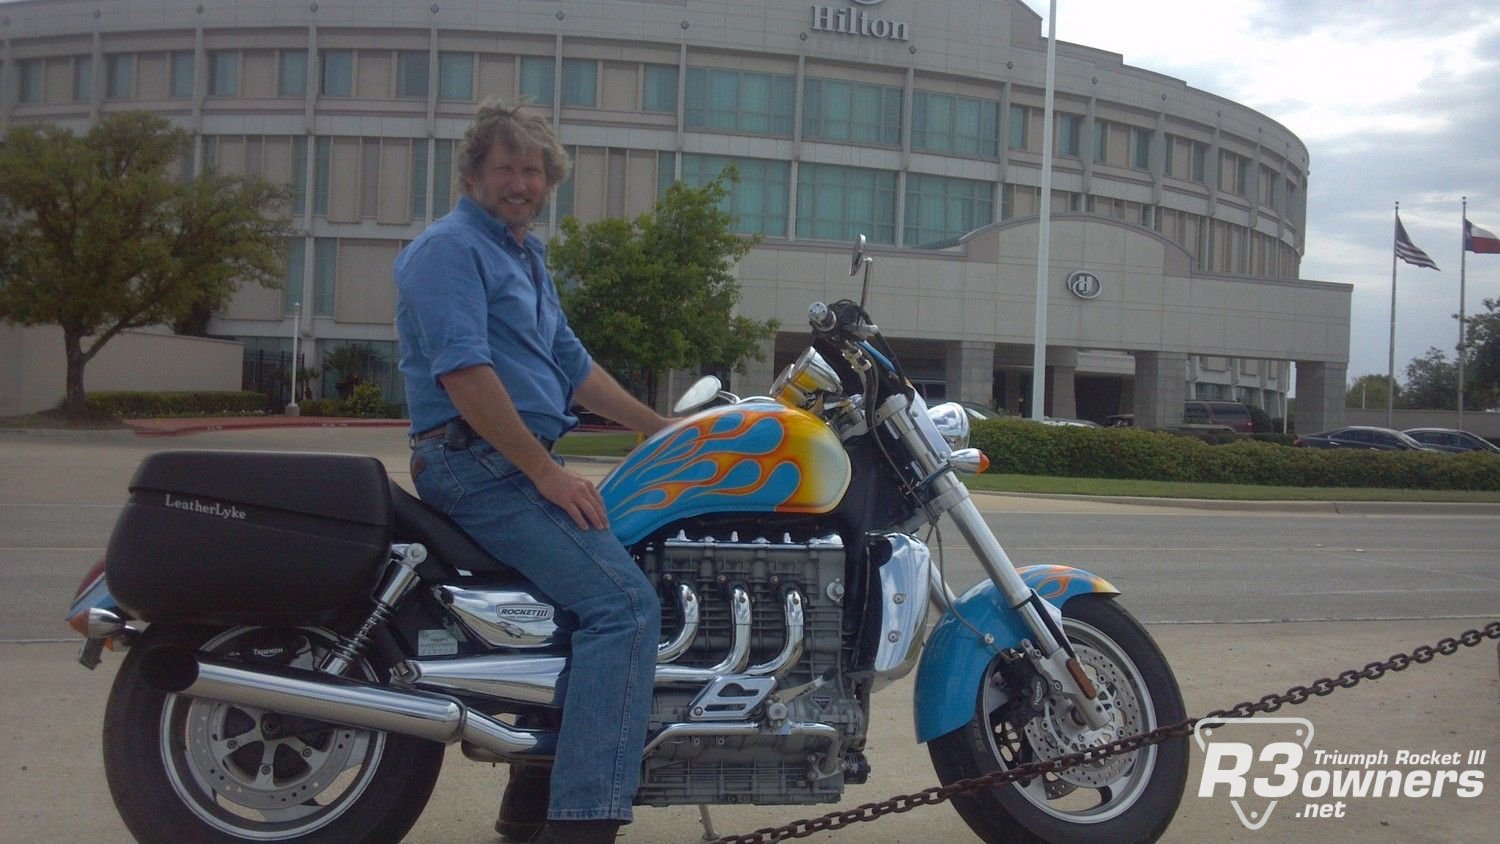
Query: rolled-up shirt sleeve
444, 295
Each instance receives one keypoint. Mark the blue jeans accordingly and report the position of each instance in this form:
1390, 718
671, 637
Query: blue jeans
609, 606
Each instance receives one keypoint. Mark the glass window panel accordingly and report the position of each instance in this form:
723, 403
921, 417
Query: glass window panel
536, 79
758, 201
580, 82
119, 81
735, 101
660, 93
323, 150
411, 74
1018, 117
838, 203
1141, 144
31, 81
456, 76
965, 126
325, 271
299, 174
442, 177
223, 73
83, 78
337, 73
418, 180
939, 208
291, 291
293, 79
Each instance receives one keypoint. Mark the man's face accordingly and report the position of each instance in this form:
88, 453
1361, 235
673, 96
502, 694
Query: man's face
511, 186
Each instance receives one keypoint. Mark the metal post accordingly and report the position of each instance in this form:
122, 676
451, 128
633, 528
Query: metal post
292, 409
1044, 241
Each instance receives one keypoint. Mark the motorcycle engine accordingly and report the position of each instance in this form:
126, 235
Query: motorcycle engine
767, 765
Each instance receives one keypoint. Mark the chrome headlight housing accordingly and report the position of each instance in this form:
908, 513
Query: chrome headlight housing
807, 382
952, 422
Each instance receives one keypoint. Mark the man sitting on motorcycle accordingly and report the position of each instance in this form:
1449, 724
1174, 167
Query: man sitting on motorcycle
491, 369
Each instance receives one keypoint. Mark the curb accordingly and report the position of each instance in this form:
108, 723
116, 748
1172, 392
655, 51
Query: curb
178, 427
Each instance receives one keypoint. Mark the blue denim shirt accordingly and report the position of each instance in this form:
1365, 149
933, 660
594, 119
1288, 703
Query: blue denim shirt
467, 294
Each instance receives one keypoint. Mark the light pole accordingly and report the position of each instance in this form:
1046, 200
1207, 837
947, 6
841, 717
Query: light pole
292, 409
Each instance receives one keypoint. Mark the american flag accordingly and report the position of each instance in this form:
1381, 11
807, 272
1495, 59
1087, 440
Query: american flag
1408, 251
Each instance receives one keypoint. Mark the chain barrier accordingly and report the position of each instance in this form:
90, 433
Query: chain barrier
1270, 703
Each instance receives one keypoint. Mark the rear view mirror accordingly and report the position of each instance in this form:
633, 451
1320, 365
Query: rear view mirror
703, 391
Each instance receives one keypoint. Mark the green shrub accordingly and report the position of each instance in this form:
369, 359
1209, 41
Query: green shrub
365, 402
1028, 448
318, 407
130, 404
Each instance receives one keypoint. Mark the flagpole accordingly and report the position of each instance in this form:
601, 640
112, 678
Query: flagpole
1390, 364
1044, 230
1463, 242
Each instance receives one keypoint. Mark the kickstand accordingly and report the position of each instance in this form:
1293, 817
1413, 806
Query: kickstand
708, 823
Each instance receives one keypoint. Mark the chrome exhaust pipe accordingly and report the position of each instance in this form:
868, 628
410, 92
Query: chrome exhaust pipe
791, 609
734, 662
687, 608
339, 700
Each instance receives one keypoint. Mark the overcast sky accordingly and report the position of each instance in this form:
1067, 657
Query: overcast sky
1396, 100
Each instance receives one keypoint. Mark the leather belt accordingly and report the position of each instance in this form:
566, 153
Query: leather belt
457, 434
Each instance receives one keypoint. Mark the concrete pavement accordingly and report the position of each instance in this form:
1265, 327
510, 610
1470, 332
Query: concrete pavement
52, 786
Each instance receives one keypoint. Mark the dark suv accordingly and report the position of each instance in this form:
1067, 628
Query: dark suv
1227, 413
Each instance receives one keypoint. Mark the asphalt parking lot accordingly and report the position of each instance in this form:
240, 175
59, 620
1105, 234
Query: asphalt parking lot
58, 495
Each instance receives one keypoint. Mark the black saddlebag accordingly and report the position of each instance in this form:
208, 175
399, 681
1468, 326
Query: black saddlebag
250, 538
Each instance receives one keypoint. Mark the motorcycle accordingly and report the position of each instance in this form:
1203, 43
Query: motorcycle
304, 637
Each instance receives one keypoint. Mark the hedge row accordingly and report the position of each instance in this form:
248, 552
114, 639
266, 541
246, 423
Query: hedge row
1027, 448
135, 405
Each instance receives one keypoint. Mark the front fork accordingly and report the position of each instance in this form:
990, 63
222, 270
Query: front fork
1052, 656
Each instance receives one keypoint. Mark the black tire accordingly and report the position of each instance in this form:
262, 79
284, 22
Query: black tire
1121, 799
190, 782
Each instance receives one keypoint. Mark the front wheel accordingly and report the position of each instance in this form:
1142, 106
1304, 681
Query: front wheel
192, 769
1126, 798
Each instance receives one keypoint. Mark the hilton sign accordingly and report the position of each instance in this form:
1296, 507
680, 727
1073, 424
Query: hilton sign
856, 21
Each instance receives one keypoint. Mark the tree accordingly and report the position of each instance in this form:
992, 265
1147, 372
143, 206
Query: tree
1482, 366
658, 292
1431, 382
98, 235
1369, 391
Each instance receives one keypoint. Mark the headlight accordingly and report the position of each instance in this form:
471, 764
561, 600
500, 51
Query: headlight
803, 384
952, 422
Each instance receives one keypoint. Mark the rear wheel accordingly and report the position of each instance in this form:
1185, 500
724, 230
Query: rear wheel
192, 769
1126, 798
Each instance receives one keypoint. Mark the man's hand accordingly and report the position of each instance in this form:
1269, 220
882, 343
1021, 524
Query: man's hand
576, 495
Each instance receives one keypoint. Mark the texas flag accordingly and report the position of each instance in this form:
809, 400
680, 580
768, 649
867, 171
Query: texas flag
1480, 240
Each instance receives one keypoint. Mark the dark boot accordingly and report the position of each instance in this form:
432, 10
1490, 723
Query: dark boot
579, 832
523, 808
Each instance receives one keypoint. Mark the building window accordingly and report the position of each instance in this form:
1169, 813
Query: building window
119, 76
411, 74
183, 63
960, 125
1140, 148
758, 200
325, 270
562, 196
736, 101
838, 203
1101, 141
1070, 135
31, 81
83, 79
442, 177
322, 151
847, 111
456, 76
292, 81
223, 73
299, 174
1199, 157
336, 74
580, 82
940, 208
418, 206
1020, 116
659, 93
291, 290
536, 79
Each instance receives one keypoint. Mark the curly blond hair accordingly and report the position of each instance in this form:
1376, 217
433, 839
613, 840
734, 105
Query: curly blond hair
517, 128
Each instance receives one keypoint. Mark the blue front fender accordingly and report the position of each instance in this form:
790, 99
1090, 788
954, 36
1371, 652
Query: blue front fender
954, 660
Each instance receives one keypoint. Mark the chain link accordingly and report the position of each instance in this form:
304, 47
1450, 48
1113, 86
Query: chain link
1267, 704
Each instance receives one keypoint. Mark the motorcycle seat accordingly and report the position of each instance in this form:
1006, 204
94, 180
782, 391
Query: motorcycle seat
445, 540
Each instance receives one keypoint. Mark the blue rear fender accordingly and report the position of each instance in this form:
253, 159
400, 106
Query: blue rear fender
954, 660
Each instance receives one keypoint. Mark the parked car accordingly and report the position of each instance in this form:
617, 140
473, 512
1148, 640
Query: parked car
1451, 439
1228, 413
979, 412
1362, 437
1120, 420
